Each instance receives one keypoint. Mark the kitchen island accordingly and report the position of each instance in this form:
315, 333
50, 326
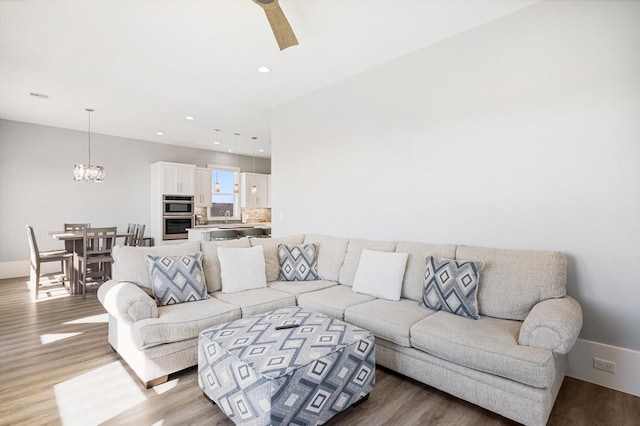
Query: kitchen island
208, 232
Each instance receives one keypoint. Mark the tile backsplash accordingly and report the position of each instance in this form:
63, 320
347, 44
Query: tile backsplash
255, 215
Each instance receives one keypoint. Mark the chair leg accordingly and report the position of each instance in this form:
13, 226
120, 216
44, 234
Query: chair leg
63, 268
35, 281
83, 283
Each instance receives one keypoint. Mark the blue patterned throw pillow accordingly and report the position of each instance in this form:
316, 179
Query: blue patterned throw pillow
177, 279
452, 286
298, 262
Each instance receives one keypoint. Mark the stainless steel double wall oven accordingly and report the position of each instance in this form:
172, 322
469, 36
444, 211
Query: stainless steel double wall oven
178, 214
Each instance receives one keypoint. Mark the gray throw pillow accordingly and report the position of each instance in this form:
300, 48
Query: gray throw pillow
177, 279
452, 286
298, 262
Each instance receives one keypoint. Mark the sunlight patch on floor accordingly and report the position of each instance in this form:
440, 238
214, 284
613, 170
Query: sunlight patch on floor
165, 387
50, 288
97, 396
54, 337
93, 319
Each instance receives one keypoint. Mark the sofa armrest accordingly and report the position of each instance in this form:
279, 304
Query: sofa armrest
552, 324
126, 301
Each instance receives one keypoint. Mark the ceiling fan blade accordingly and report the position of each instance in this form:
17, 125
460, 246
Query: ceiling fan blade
279, 24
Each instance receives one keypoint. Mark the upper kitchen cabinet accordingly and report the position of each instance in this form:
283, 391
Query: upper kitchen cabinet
263, 194
202, 187
175, 178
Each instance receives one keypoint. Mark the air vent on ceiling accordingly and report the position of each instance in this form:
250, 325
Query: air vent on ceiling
39, 95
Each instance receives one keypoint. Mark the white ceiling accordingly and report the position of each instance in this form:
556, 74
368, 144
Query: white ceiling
145, 65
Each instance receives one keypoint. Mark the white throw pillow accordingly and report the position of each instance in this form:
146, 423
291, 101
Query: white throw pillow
380, 274
241, 268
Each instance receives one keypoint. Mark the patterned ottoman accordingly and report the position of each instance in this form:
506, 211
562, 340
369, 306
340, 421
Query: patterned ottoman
303, 375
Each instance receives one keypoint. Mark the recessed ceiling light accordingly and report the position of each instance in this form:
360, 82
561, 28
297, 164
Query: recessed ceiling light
189, 117
159, 133
230, 150
261, 150
264, 70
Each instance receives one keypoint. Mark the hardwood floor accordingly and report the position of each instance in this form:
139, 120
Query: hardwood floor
56, 367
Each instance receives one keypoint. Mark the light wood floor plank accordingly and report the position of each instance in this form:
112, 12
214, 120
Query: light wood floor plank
56, 368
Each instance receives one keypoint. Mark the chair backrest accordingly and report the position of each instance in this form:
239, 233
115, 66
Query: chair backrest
33, 246
250, 232
76, 226
223, 234
137, 231
99, 241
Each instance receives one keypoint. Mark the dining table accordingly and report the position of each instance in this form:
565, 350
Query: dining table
73, 242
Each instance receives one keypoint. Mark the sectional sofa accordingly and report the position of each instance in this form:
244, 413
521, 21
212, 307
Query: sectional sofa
512, 360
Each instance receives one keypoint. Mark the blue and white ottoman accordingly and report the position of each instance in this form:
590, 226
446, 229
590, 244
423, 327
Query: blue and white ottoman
303, 375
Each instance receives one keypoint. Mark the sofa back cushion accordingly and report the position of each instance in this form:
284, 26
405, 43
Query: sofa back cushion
211, 262
513, 281
129, 263
270, 248
330, 252
352, 258
413, 281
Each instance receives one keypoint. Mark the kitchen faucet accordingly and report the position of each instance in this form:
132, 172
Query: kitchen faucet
227, 216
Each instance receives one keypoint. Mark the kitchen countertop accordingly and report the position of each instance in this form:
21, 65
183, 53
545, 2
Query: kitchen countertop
214, 226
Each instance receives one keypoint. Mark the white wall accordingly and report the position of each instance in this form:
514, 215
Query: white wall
523, 133
37, 186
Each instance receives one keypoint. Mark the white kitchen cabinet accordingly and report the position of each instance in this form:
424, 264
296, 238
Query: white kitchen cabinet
176, 178
202, 187
262, 197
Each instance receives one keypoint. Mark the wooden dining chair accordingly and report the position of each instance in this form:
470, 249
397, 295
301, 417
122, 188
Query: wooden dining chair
137, 231
76, 226
38, 257
95, 262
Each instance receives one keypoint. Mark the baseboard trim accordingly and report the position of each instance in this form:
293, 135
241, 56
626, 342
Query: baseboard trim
625, 379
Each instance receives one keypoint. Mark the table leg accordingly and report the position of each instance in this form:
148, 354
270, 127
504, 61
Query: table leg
77, 251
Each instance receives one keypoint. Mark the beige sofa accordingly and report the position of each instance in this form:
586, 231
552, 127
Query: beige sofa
511, 361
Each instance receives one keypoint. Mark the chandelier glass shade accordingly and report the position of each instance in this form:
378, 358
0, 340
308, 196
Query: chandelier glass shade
88, 172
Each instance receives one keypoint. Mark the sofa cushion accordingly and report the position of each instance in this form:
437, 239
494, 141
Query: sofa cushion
489, 345
414, 273
182, 322
451, 285
332, 301
298, 262
298, 287
380, 274
241, 269
177, 279
513, 281
331, 252
270, 248
211, 263
386, 319
129, 263
258, 301
352, 258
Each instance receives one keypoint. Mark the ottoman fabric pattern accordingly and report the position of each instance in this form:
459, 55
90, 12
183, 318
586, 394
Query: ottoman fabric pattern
305, 375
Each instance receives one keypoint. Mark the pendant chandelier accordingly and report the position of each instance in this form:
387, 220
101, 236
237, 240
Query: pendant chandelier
236, 187
88, 172
254, 188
